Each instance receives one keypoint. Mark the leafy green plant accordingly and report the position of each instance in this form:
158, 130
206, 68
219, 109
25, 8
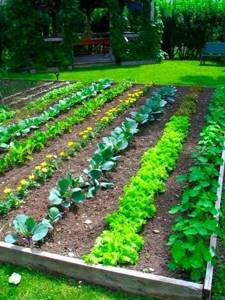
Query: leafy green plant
195, 223
5, 113
28, 230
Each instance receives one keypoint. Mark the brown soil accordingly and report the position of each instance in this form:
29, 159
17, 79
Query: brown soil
72, 234
12, 177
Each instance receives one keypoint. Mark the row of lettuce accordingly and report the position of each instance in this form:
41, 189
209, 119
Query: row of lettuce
121, 242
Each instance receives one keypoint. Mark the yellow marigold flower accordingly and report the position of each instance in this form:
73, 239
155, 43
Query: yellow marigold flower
49, 156
37, 168
7, 191
44, 170
44, 164
23, 182
31, 177
89, 128
70, 144
62, 153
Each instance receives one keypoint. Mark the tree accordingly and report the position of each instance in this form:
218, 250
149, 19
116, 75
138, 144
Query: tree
52, 7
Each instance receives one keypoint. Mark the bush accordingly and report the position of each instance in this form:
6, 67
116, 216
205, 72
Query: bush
188, 25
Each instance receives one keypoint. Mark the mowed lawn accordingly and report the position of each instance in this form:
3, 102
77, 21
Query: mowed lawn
167, 72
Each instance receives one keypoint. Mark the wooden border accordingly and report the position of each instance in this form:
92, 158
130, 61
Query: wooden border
213, 241
113, 277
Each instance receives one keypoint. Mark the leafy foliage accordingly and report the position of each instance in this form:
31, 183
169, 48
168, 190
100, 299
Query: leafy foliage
105, 157
23, 127
19, 152
137, 203
188, 25
44, 171
120, 243
196, 212
27, 228
40, 104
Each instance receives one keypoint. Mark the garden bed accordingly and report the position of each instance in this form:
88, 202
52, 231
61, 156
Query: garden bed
75, 233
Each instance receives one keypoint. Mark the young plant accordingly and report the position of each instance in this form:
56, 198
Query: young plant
28, 230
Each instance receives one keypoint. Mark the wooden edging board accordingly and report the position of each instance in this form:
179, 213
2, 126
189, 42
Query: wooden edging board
113, 277
213, 241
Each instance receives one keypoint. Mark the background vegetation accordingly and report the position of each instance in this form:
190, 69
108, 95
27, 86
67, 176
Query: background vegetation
189, 24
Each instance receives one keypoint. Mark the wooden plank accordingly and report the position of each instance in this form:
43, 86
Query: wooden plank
117, 278
213, 241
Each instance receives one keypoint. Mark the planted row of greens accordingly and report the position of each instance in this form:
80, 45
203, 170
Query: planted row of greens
46, 169
195, 223
23, 127
121, 242
19, 152
43, 102
71, 190
5, 113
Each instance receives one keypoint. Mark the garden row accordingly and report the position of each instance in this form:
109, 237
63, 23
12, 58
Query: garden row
129, 153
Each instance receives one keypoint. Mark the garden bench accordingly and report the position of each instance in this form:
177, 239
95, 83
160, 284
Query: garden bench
213, 49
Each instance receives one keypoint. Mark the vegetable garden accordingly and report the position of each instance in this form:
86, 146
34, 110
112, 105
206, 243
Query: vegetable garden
114, 174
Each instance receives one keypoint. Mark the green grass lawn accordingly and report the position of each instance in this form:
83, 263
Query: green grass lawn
176, 72
37, 286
